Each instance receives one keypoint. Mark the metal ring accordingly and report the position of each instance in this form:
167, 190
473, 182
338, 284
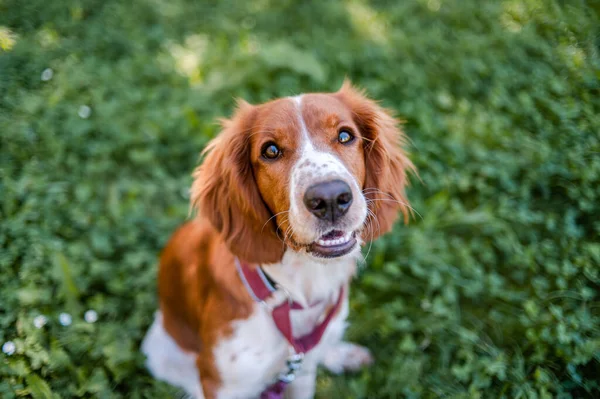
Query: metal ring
286, 292
266, 305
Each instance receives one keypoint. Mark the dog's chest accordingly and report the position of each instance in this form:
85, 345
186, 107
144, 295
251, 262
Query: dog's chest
255, 353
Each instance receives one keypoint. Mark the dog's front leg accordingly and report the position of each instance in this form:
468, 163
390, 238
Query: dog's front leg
346, 356
303, 386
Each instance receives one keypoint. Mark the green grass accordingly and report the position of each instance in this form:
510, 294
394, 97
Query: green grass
492, 293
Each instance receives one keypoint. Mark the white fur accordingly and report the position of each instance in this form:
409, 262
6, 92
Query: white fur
315, 166
254, 354
346, 356
168, 362
309, 279
252, 357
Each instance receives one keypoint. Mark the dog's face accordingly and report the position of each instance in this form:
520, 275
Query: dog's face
318, 173
308, 161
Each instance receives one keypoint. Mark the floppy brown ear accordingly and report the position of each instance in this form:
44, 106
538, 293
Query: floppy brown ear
386, 163
225, 192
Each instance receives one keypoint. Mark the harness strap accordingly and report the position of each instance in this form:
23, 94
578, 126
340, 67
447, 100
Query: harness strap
275, 391
281, 317
257, 283
260, 289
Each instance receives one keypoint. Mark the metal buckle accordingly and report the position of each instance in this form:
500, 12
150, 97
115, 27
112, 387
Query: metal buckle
293, 363
287, 294
287, 377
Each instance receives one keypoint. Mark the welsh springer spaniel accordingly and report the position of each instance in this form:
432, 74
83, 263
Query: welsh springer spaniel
286, 196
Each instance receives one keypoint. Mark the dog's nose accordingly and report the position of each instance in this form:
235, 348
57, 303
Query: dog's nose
329, 200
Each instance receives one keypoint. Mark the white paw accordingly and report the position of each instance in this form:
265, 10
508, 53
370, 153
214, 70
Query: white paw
346, 356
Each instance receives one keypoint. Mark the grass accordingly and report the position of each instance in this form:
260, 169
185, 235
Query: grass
493, 292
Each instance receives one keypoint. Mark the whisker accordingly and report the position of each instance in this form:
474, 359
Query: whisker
368, 227
401, 203
398, 202
275, 215
278, 236
278, 230
369, 231
289, 230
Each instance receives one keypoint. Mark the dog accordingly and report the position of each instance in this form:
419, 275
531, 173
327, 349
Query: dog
253, 292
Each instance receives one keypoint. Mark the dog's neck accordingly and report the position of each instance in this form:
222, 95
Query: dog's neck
308, 279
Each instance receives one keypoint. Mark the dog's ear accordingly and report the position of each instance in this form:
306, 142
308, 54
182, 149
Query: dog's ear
386, 163
225, 192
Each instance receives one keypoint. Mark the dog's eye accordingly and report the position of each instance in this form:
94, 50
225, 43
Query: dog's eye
345, 137
271, 151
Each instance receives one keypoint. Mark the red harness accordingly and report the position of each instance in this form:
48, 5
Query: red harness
260, 289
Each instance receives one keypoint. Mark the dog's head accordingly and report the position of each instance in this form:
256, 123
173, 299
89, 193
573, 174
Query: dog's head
319, 173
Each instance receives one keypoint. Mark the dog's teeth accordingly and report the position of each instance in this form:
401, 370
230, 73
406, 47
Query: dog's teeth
336, 241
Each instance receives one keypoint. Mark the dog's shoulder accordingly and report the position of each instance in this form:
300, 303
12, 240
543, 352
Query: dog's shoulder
197, 278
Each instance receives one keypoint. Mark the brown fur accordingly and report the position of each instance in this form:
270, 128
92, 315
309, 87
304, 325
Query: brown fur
237, 194
386, 163
225, 192
200, 294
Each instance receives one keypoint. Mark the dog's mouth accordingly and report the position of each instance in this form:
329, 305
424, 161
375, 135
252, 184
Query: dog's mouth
333, 244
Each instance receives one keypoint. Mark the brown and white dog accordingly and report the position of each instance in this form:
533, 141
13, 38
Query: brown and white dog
292, 187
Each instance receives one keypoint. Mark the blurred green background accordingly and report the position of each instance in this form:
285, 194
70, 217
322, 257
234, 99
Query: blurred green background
491, 293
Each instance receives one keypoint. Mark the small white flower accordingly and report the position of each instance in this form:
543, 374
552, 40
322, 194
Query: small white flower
9, 348
40, 321
91, 316
47, 74
84, 112
65, 319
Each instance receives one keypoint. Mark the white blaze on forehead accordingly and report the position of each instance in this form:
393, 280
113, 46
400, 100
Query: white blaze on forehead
312, 167
312, 161
303, 130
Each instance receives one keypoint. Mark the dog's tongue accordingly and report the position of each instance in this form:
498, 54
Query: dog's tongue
332, 235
